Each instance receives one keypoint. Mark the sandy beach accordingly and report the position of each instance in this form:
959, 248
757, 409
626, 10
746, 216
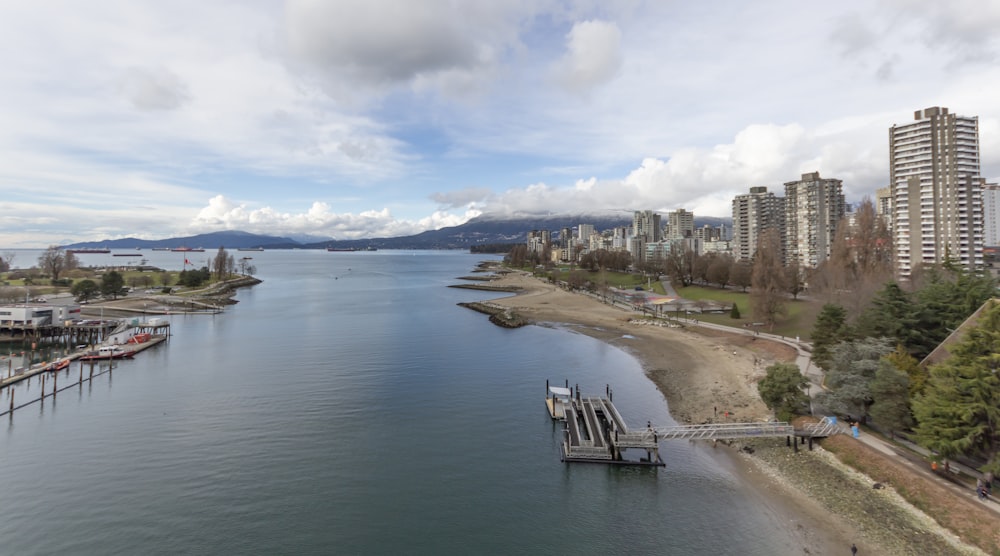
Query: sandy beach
703, 374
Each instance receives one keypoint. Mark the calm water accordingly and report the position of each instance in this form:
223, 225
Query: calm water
347, 405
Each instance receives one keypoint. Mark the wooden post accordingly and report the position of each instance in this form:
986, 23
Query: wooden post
81, 374
43, 387
55, 384
12, 402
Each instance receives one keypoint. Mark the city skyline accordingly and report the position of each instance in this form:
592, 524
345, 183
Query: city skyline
378, 119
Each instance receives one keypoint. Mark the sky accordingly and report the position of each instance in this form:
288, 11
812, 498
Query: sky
353, 119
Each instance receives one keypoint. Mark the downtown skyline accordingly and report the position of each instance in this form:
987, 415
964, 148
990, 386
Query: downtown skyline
378, 119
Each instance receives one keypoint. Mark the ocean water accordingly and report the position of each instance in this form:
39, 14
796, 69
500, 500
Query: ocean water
347, 405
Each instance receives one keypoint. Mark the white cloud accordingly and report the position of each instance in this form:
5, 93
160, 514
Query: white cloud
593, 55
154, 89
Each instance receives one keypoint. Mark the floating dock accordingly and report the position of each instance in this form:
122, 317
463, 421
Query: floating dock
596, 433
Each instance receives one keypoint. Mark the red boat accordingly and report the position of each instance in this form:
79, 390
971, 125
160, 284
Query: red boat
112, 352
58, 365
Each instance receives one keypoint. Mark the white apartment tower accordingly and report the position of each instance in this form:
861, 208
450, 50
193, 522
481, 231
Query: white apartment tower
813, 208
754, 213
936, 190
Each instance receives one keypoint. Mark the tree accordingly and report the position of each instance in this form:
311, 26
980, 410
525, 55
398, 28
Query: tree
830, 329
54, 261
793, 279
906, 363
740, 275
782, 390
860, 261
221, 263
959, 411
891, 314
679, 264
851, 370
4, 263
719, 268
767, 298
166, 279
84, 290
111, 284
891, 394
734, 313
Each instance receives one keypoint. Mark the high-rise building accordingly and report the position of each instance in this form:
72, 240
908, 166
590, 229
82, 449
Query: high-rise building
936, 190
754, 213
680, 224
538, 240
813, 208
991, 215
646, 225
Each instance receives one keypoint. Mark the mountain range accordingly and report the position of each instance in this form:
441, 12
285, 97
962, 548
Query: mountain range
478, 231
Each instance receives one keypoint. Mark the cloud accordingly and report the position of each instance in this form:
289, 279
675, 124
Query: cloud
319, 219
154, 89
462, 197
593, 56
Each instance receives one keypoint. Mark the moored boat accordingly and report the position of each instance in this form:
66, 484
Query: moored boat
108, 352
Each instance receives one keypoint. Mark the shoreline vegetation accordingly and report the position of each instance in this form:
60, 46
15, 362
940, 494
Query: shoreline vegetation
826, 503
210, 299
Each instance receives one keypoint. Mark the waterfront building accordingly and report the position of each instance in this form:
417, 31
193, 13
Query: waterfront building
754, 213
936, 190
813, 208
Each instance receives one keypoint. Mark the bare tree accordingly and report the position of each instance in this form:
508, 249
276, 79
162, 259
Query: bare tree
860, 261
221, 263
767, 290
54, 261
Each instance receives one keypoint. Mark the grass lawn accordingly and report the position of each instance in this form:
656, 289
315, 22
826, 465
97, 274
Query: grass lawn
798, 321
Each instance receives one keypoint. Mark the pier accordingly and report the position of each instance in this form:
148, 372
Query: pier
596, 432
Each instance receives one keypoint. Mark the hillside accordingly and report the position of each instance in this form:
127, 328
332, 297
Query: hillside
478, 231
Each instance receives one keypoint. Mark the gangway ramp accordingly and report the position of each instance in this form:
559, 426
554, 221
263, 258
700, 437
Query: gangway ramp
725, 431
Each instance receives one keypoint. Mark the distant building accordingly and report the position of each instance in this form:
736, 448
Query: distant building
753, 214
680, 224
538, 240
813, 208
936, 190
991, 215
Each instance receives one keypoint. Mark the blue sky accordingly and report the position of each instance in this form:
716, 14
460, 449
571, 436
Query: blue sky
369, 118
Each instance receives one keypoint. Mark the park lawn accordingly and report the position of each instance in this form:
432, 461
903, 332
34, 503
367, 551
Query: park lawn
797, 322
622, 280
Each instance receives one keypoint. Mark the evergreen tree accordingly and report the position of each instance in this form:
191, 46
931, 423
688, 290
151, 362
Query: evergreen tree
782, 390
891, 398
906, 363
734, 313
851, 370
891, 314
830, 329
112, 284
959, 411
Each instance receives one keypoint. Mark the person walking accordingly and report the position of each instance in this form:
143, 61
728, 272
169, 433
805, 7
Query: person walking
854, 549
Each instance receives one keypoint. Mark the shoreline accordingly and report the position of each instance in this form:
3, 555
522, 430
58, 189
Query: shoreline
701, 371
